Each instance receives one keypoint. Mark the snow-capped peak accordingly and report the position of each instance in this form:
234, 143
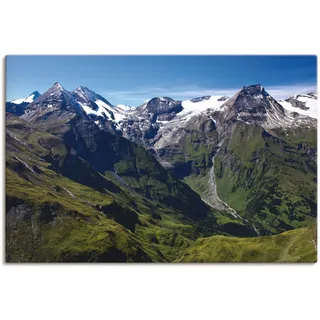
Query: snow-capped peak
97, 107
33, 96
57, 86
89, 95
85, 90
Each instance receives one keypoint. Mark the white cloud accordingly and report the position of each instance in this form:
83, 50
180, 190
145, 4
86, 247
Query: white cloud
282, 92
138, 95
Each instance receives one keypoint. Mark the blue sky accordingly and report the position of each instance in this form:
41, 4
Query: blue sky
133, 79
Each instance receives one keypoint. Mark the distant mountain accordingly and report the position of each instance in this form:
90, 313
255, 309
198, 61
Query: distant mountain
18, 106
55, 98
33, 96
93, 104
99, 109
252, 104
304, 104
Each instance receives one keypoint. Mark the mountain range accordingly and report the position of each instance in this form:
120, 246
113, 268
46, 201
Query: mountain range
168, 180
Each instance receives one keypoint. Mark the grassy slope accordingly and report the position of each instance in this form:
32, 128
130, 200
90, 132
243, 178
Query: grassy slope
268, 180
76, 229
58, 221
291, 246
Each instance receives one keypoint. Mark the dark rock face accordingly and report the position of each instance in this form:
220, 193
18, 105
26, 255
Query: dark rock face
253, 104
251, 99
13, 215
224, 98
296, 103
16, 109
55, 104
253, 90
200, 99
184, 169
140, 130
142, 125
162, 109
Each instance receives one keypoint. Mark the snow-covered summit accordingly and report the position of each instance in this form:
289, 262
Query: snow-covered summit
96, 105
33, 96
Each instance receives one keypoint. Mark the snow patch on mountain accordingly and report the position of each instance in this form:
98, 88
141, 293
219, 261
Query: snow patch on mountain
310, 102
191, 108
29, 99
33, 96
117, 115
123, 107
170, 131
17, 101
88, 110
103, 105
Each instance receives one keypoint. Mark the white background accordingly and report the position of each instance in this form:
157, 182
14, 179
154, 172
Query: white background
222, 291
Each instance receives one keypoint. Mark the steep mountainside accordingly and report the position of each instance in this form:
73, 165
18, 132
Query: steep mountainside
99, 109
267, 179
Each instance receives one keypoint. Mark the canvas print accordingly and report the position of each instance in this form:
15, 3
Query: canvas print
164, 159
